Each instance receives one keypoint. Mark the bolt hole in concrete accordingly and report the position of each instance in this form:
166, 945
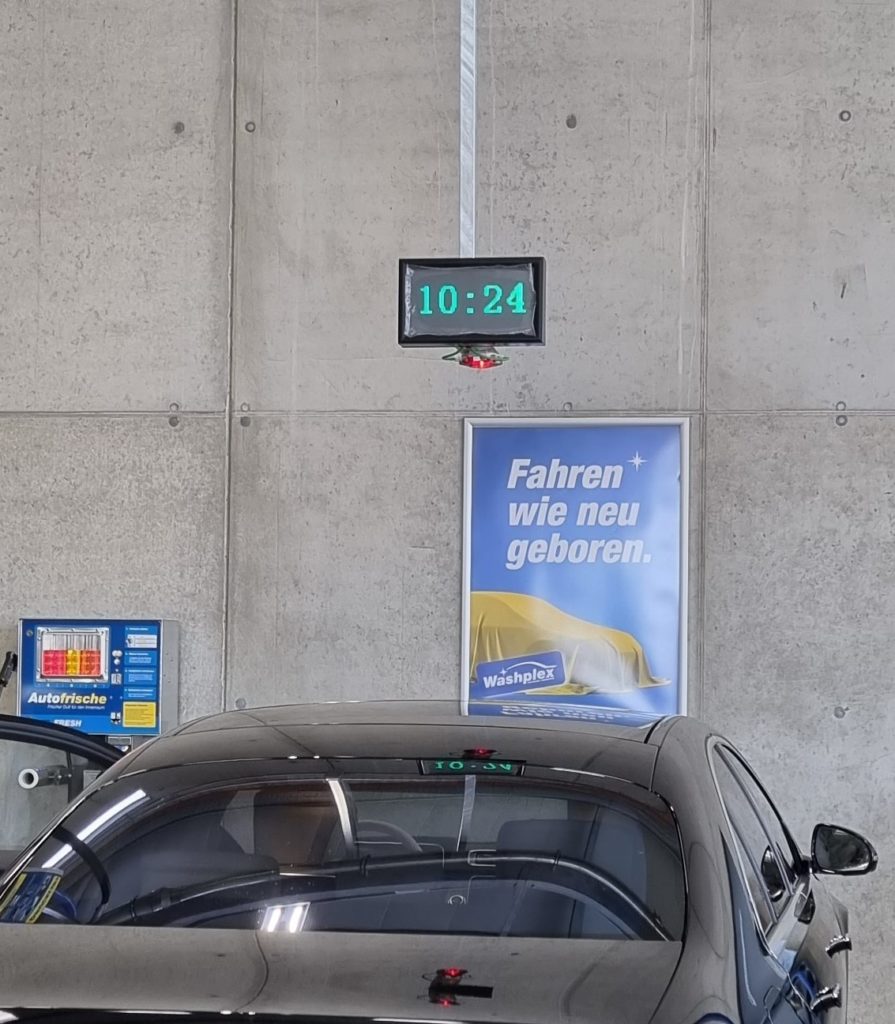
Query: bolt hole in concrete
244, 421
840, 406
844, 115
250, 126
567, 407
841, 421
174, 421
571, 121
241, 703
179, 127
839, 711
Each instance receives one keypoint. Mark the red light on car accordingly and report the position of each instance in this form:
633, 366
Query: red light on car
451, 973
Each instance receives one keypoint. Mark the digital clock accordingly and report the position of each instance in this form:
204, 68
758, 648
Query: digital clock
465, 766
482, 300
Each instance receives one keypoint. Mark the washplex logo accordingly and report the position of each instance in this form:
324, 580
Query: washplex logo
546, 668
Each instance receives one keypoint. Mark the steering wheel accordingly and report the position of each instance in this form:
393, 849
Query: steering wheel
385, 831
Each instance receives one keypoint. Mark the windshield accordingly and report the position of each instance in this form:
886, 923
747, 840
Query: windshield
362, 845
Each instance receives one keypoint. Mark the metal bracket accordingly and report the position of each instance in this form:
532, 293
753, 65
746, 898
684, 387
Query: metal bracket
826, 999
838, 944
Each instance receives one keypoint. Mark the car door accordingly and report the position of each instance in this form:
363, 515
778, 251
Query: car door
42, 768
798, 919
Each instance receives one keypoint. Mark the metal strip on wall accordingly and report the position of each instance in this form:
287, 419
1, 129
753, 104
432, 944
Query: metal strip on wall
467, 126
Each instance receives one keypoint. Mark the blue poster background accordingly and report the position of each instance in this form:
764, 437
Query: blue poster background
641, 597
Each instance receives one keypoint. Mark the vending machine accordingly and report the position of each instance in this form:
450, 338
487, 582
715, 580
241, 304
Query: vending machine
116, 678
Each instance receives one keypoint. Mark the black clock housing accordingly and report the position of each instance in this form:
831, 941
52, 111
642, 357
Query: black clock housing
482, 300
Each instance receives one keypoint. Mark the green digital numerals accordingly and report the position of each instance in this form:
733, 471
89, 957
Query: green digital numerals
446, 301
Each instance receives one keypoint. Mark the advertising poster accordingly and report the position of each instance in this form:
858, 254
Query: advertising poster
575, 568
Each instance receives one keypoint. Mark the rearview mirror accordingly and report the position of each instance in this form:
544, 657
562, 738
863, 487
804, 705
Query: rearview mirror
839, 851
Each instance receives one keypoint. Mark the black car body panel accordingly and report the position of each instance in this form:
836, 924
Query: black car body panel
727, 970
399, 729
327, 975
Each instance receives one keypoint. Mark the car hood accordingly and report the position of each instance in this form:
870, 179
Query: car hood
386, 978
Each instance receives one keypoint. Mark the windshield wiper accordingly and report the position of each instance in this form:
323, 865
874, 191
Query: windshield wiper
163, 898
333, 876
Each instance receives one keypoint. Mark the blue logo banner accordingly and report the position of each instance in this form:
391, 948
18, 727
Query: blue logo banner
575, 561
512, 675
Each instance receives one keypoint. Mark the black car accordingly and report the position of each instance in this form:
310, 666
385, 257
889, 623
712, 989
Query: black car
401, 862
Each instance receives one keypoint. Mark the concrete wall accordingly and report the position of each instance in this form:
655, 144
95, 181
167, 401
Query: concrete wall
717, 225
115, 148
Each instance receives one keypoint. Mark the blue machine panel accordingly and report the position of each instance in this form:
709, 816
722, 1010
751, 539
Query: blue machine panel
102, 676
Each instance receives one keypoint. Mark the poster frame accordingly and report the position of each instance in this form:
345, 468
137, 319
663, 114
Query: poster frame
473, 423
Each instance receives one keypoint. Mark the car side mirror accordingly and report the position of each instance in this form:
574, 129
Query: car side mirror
839, 851
773, 879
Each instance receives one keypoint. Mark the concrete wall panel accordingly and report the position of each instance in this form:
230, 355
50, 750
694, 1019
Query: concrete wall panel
346, 558
117, 516
614, 202
114, 141
801, 307
346, 564
798, 635
352, 164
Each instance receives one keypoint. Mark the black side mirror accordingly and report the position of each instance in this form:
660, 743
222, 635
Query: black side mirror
773, 879
839, 851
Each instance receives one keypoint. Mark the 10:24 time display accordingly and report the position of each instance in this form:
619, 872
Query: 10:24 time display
447, 300
470, 300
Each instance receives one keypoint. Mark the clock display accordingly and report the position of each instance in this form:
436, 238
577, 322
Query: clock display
462, 302
462, 766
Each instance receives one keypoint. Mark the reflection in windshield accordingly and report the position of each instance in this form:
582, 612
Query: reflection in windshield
286, 919
375, 846
92, 828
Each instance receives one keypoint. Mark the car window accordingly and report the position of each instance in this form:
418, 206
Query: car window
37, 783
770, 818
371, 850
763, 873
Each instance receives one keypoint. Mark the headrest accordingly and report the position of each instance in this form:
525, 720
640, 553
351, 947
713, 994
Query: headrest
548, 835
291, 829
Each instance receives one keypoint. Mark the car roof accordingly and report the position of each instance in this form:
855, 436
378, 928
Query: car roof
401, 712
403, 729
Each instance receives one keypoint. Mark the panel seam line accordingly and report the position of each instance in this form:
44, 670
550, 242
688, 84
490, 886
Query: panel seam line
228, 405
704, 441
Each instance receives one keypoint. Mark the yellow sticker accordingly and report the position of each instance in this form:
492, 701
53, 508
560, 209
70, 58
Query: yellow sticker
12, 892
138, 715
27, 898
51, 886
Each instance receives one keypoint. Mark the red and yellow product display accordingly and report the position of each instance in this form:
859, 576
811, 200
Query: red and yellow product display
68, 663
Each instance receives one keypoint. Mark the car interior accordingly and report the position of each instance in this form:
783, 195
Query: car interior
573, 867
